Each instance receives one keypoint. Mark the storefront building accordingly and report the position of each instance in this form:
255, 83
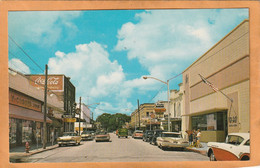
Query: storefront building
224, 109
84, 119
26, 111
65, 91
176, 108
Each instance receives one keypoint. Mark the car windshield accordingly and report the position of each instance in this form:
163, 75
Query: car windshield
171, 135
149, 132
101, 133
139, 132
86, 132
69, 134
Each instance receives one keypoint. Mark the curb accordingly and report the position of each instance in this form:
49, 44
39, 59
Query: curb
202, 152
16, 156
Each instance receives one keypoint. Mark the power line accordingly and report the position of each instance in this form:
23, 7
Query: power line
23, 62
25, 52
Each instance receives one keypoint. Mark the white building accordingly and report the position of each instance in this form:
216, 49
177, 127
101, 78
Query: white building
85, 118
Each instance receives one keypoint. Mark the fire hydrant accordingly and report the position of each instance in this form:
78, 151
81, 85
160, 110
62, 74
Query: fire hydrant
27, 147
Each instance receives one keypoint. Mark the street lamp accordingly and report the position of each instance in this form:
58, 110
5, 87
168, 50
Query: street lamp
168, 97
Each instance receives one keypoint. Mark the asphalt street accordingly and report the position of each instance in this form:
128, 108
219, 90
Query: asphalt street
118, 150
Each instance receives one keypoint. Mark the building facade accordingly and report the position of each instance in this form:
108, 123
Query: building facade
85, 118
226, 66
61, 86
176, 108
26, 115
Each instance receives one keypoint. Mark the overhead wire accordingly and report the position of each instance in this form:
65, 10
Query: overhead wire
25, 52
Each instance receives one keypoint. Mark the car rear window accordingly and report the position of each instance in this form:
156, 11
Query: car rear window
235, 140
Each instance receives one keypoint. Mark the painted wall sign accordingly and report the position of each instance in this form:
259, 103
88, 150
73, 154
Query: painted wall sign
54, 82
233, 113
21, 100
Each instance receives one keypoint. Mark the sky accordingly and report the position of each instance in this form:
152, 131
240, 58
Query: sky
106, 53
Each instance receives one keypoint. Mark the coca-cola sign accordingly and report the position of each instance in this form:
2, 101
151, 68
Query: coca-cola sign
54, 82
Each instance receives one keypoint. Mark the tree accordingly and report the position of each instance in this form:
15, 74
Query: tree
112, 122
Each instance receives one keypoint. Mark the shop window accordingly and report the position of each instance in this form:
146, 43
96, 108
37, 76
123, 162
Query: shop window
26, 131
209, 122
12, 131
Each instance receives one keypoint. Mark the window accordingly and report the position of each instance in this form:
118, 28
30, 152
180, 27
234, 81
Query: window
209, 122
234, 140
247, 143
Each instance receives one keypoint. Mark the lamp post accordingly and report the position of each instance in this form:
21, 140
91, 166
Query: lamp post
168, 97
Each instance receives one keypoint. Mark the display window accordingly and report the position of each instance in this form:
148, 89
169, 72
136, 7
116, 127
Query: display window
26, 131
209, 122
12, 131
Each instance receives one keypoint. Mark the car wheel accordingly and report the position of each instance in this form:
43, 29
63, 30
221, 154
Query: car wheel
126, 137
212, 157
59, 145
118, 136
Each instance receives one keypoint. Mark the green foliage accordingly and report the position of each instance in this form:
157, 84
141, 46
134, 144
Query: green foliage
111, 122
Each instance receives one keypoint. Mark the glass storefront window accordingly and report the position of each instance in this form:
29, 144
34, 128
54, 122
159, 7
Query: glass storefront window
12, 131
26, 131
209, 122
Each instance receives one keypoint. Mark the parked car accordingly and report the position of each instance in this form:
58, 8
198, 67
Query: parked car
171, 140
236, 147
122, 132
69, 138
87, 135
102, 136
138, 134
156, 133
147, 135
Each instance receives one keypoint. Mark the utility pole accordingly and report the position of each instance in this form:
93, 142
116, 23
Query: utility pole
79, 113
138, 113
45, 108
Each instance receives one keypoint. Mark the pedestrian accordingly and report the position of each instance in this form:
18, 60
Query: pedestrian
198, 138
190, 136
194, 136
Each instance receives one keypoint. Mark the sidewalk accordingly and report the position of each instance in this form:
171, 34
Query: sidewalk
202, 150
16, 154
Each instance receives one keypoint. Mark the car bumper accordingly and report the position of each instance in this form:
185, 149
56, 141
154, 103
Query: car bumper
66, 142
174, 145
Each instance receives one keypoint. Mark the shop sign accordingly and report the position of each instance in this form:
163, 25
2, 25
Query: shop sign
54, 82
24, 101
69, 119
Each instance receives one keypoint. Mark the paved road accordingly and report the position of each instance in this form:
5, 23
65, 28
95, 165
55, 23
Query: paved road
119, 150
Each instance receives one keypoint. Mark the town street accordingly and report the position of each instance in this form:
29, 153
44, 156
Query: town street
119, 150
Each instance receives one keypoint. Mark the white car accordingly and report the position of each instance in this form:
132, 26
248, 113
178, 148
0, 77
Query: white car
171, 140
236, 147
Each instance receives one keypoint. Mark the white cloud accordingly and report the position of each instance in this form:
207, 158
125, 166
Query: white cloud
165, 42
41, 27
18, 65
91, 71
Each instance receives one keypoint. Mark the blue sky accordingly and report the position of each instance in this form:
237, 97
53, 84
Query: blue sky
107, 52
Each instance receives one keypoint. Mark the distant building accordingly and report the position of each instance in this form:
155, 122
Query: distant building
177, 108
226, 66
85, 118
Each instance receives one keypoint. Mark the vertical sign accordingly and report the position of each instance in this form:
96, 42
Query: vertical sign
233, 113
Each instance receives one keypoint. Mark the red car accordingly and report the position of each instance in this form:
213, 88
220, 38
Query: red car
138, 134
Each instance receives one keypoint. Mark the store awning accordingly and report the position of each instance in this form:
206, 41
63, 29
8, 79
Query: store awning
26, 114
